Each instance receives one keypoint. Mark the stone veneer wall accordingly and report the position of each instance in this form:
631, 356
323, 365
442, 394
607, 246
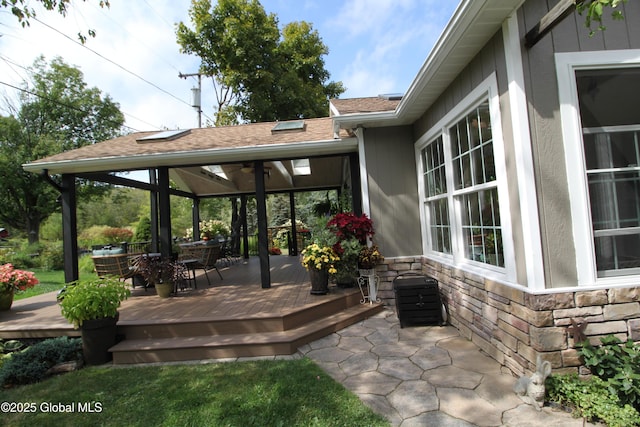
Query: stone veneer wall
514, 326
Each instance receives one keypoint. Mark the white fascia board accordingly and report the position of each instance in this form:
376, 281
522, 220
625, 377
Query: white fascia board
352, 121
199, 157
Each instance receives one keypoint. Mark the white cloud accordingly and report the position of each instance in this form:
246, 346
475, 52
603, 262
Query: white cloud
376, 46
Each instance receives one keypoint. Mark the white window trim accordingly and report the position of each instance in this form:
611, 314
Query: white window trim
566, 66
486, 90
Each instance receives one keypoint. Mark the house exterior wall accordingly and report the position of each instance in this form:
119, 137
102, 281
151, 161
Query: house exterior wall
516, 322
392, 189
569, 35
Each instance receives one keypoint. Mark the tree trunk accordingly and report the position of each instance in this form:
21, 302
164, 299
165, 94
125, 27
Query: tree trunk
33, 230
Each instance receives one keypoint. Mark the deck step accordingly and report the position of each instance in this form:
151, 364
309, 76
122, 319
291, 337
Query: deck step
224, 325
245, 344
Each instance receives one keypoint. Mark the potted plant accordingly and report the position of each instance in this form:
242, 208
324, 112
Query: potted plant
13, 280
92, 305
347, 267
348, 225
161, 272
369, 257
320, 261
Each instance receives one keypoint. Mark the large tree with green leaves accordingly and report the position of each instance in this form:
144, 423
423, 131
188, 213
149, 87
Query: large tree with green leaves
22, 10
260, 74
56, 112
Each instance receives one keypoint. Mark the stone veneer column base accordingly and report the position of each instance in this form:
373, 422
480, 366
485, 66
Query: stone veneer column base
514, 326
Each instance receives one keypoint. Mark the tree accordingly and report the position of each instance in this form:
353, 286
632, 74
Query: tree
595, 10
21, 10
259, 74
57, 112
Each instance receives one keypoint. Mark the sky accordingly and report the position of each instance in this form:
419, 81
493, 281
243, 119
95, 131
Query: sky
375, 47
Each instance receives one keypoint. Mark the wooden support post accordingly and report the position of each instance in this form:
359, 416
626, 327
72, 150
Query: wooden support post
153, 203
195, 218
263, 240
164, 211
293, 249
69, 228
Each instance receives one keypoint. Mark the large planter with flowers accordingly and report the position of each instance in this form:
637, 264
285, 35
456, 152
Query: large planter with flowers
319, 281
319, 261
11, 281
92, 305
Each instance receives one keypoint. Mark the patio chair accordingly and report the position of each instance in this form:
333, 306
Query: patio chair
113, 265
204, 257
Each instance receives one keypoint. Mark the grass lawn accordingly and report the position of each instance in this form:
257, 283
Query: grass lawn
49, 281
252, 393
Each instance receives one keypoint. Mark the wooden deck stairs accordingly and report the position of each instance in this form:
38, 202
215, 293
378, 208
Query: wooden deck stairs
149, 341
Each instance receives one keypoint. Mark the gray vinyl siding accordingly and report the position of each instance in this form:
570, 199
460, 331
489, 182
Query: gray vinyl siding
541, 87
393, 190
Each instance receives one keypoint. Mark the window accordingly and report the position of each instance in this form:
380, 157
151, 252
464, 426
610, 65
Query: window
435, 187
460, 187
611, 138
601, 132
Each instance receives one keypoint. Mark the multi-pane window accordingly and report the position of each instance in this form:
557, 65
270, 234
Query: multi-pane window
611, 137
470, 165
435, 183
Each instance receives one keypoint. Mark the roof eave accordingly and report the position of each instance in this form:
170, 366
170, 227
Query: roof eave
474, 22
199, 157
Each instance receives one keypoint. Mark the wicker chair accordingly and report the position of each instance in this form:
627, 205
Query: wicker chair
205, 257
114, 265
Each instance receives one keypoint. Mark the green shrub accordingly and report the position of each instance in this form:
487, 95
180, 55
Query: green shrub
591, 399
143, 230
85, 264
91, 236
31, 365
117, 235
52, 256
24, 255
618, 364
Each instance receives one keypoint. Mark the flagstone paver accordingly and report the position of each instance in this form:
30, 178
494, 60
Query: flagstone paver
426, 376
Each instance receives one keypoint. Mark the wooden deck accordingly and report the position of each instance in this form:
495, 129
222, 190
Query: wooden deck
233, 317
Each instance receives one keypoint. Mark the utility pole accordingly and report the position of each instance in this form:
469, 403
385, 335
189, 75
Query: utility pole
195, 95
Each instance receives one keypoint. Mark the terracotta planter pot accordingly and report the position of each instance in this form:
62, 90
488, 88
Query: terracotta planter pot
98, 336
319, 281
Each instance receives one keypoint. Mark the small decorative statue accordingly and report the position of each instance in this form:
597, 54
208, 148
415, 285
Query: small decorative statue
532, 390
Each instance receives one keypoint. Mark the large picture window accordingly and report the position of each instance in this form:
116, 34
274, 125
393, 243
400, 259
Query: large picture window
611, 138
601, 134
460, 188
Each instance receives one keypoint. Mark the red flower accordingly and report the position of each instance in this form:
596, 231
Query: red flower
19, 280
346, 225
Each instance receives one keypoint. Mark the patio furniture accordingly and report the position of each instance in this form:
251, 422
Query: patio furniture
204, 256
114, 265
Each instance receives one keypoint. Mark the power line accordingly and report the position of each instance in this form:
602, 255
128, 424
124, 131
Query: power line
114, 63
55, 101
11, 62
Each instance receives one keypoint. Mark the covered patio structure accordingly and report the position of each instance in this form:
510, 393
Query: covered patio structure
234, 317
234, 161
